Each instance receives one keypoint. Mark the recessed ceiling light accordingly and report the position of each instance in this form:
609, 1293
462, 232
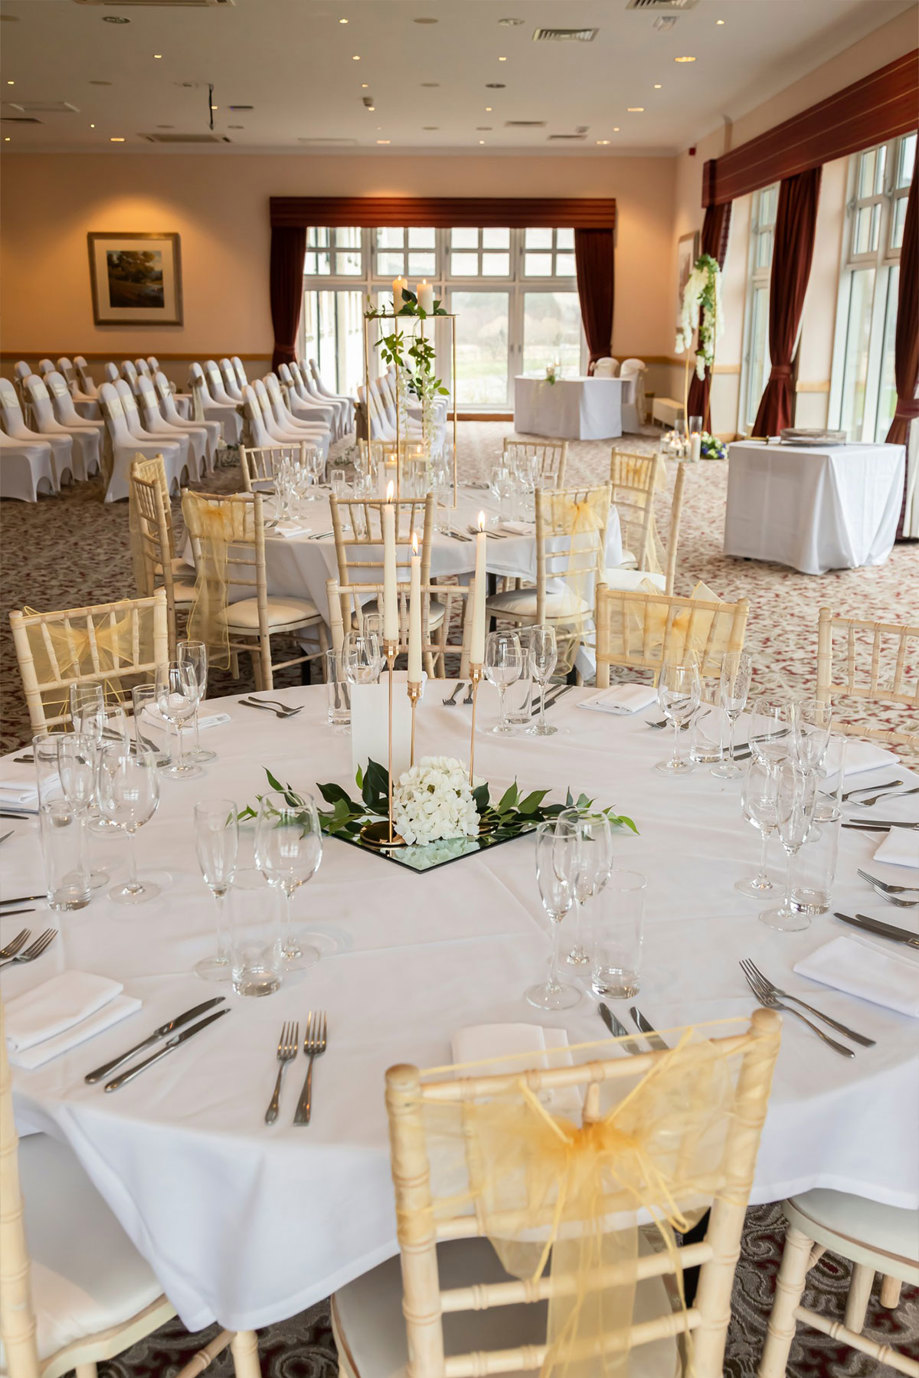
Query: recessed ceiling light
510, 23
356, 57
365, 85
615, 129
342, 21
502, 59
635, 109
602, 141
115, 19
116, 139
11, 83
92, 126
719, 21
6, 138
488, 109
481, 141
684, 59
157, 56
657, 86
382, 141
495, 86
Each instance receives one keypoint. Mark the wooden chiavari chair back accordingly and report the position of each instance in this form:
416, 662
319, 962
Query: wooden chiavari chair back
871, 662
550, 455
639, 630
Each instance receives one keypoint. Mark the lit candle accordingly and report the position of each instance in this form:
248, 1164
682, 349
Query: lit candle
477, 639
695, 446
425, 294
398, 287
390, 586
414, 616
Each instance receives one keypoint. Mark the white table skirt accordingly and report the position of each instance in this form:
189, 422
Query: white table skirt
569, 409
816, 510
249, 1224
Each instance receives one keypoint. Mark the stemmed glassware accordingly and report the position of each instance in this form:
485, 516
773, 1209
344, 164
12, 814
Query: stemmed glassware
177, 699
593, 865
678, 693
92, 717
770, 729
216, 846
503, 666
288, 851
797, 794
543, 654
128, 792
760, 803
733, 688
810, 731
76, 767
362, 657
556, 867
194, 653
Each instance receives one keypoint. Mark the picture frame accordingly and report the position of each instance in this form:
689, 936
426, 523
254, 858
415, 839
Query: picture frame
136, 278
687, 252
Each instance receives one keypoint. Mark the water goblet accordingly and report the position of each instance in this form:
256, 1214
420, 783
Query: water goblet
128, 793
216, 846
733, 687
288, 852
503, 666
543, 657
678, 693
797, 796
76, 768
556, 861
194, 653
177, 699
760, 803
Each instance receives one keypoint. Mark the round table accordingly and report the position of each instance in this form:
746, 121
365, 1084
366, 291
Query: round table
249, 1224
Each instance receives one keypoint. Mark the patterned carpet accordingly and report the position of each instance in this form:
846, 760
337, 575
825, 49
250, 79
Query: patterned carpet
73, 550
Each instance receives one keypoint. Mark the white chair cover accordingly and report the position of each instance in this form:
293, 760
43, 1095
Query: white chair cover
143, 368
154, 363
206, 407
85, 402
193, 438
87, 383
315, 422
129, 373
15, 427
345, 404
605, 368
280, 432
215, 384
45, 366
21, 372
66, 413
122, 447
140, 432
209, 429
87, 444
230, 381
308, 400
26, 468
241, 378
259, 436
111, 373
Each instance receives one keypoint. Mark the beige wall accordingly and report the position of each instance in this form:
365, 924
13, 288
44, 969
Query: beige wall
219, 206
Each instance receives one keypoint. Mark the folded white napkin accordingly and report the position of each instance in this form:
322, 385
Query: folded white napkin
517, 528
859, 968
622, 698
55, 1006
212, 720
480, 1042
900, 848
18, 792
290, 528
860, 757
120, 1008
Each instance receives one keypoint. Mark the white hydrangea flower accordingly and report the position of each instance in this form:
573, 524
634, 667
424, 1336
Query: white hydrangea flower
433, 801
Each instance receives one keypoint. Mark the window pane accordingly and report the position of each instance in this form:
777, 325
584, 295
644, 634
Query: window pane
537, 239
768, 205
887, 395
564, 265
464, 265
390, 237
348, 237
551, 331
419, 238
764, 249
481, 348
422, 265
855, 369
897, 221
906, 160
317, 237
564, 239
862, 236
318, 264
875, 226
758, 359
866, 164
880, 170
496, 265
390, 265
496, 238
348, 265
465, 238
537, 265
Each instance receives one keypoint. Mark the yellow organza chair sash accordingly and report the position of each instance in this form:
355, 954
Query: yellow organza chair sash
553, 1194
87, 649
574, 561
213, 526
645, 627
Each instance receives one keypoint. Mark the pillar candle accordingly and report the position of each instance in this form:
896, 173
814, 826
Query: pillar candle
695, 446
390, 585
399, 284
425, 294
414, 616
477, 639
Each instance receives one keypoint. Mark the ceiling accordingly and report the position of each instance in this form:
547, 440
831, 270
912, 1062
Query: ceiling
296, 63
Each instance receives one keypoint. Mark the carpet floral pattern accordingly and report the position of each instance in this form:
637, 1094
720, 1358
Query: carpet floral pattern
73, 550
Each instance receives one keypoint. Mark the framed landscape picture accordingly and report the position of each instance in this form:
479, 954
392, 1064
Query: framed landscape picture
136, 279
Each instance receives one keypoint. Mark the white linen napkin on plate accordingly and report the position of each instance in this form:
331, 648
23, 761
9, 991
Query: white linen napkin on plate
622, 699
860, 757
859, 968
117, 1009
56, 1005
900, 848
479, 1042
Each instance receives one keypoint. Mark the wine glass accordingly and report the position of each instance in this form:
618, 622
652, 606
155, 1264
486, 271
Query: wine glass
503, 666
177, 699
733, 688
770, 728
592, 868
556, 863
288, 851
362, 657
76, 768
678, 693
543, 654
87, 709
128, 792
216, 846
194, 653
761, 804
797, 797
810, 731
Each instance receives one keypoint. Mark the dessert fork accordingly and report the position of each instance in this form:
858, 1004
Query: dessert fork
34, 949
287, 1051
314, 1045
771, 1002
754, 975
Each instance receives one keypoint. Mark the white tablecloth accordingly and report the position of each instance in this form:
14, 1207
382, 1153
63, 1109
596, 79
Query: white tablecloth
813, 509
569, 409
248, 1223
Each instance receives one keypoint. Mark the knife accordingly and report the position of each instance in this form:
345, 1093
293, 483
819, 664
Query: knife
8, 913
23, 899
165, 1029
617, 1029
166, 1048
883, 930
653, 1037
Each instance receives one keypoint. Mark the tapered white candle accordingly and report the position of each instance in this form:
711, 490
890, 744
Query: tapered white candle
414, 616
477, 639
695, 446
398, 286
390, 586
425, 294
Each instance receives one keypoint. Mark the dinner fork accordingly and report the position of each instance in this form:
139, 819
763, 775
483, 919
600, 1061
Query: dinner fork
771, 1002
314, 1045
278, 713
885, 885
287, 1051
753, 973
450, 702
35, 949
885, 794
867, 789
468, 699
16, 943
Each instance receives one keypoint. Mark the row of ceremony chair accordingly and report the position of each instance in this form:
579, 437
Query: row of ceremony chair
381, 405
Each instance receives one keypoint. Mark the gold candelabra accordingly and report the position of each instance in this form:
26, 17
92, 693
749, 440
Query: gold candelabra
475, 673
390, 650
414, 694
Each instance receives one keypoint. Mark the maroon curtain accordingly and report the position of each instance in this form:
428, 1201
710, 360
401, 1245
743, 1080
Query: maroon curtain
715, 229
288, 250
792, 253
906, 345
593, 257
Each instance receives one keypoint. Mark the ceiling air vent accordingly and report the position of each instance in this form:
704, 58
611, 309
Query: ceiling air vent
662, 6
159, 4
524, 124
186, 138
41, 107
567, 138
564, 35
18, 119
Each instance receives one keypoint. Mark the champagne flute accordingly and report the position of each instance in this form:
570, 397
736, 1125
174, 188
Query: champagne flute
770, 729
761, 803
503, 666
810, 731
592, 868
76, 768
543, 654
362, 657
128, 797
194, 653
87, 709
216, 846
678, 693
733, 688
797, 798
177, 699
556, 865
288, 851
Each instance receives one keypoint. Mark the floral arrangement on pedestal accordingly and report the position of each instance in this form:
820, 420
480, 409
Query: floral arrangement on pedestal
414, 356
701, 317
711, 447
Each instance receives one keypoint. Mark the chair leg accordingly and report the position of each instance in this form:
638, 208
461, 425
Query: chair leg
796, 1260
859, 1292
86, 1371
244, 1348
890, 1292
267, 676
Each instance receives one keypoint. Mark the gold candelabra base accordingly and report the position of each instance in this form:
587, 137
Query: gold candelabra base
414, 694
390, 651
475, 674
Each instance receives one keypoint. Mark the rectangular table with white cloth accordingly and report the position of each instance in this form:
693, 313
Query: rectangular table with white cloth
569, 408
249, 1224
816, 509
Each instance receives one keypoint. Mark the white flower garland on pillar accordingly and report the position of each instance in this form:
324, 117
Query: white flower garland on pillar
701, 312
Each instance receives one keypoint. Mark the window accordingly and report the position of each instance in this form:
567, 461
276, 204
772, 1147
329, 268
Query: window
513, 291
863, 394
756, 361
